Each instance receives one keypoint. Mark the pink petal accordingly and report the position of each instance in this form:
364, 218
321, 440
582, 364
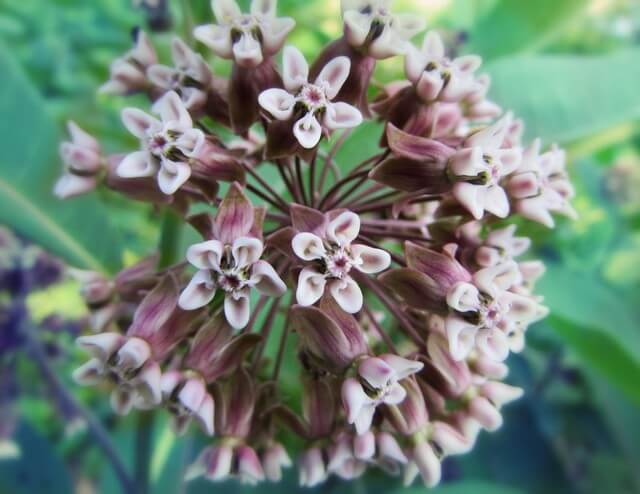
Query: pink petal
308, 246
401, 366
236, 308
364, 446
218, 38
295, 70
310, 286
69, 185
395, 395
138, 122
484, 412
249, 466
308, 131
347, 293
344, 228
266, 280
353, 398
428, 464
389, 448
376, 372
277, 102
235, 216
333, 76
137, 164
199, 292
219, 463
429, 85
206, 255
340, 115
246, 251
461, 336
370, 260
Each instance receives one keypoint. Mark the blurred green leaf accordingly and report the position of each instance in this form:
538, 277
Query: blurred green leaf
78, 231
517, 27
565, 97
602, 352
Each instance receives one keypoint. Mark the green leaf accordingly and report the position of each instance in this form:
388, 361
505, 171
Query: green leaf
77, 230
603, 353
516, 27
564, 98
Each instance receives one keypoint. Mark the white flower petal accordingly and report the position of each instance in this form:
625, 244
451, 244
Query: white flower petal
136, 165
206, 255
172, 176
266, 280
310, 286
171, 109
246, 251
217, 38
341, 115
278, 102
344, 229
247, 51
225, 10
236, 308
198, 293
333, 76
348, 294
308, 131
370, 260
308, 246
295, 70
138, 122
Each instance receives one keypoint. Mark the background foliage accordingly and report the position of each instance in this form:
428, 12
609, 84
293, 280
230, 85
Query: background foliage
569, 68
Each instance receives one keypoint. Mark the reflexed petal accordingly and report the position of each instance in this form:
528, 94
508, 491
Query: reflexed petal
190, 142
225, 10
468, 63
122, 400
149, 387
496, 201
461, 336
370, 260
236, 308
340, 115
274, 33
464, 297
353, 398
247, 51
278, 102
333, 76
172, 176
295, 70
133, 354
388, 44
376, 372
205, 255
205, 415
429, 85
312, 468
484, 412
493, 343
344, 228
414, 63
396, 395
265, 8
246, 251
102, 345
389, 448
347, 293
310, 286
171, 109
433, 45
138, 122
137, 164
69, 185
198, 293
308, 131
500, 393
308, 246
402, 367
408, 25
364, 419
449, 440
495, 279
81, 138
218, 38
90, 373
266, 280
219, 463
249, 466
471, 197
358, 26
162, 76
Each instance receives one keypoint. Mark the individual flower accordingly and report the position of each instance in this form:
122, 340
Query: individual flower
331, 255
230, 261
479, 168
131, 362
372, 27
486, 401
248, 39
128, 73
437, 77
213, 354
500, 246
83, 163
311, 105
274, 458
485, 312
167, 144
190, 77
541, 186
377, 382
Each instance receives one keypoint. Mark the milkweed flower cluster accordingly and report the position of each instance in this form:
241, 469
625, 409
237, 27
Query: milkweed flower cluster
397, 282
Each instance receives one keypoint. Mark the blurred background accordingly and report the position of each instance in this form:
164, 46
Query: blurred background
569, 68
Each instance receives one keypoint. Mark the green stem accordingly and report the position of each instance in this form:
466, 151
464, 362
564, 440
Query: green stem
169, 239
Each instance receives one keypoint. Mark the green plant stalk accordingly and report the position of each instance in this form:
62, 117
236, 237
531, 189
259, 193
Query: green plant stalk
168, 246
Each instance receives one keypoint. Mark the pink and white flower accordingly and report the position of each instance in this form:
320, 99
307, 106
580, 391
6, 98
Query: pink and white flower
541, 186
332, 256
83, 161
479, 168
230, 261
248, 39
314, 101
167, 144
437, 77
370, 25
128, 73
377, 383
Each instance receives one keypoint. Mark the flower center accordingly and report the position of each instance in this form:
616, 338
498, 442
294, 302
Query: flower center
338, 262
313, 97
